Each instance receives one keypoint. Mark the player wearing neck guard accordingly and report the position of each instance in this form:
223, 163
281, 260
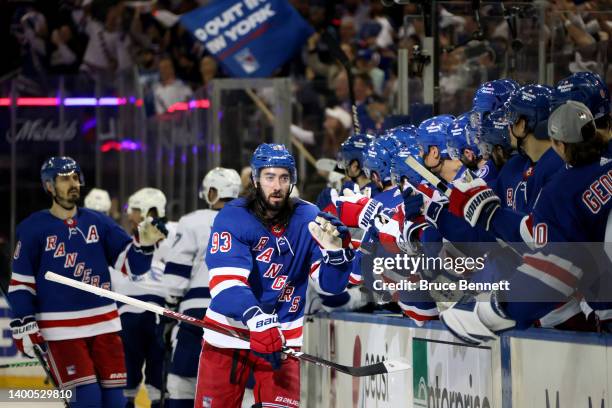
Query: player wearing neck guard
263, 252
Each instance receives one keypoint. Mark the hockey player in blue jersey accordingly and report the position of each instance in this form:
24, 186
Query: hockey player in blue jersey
520, 184
573, 207
80, 329
263, 252
186, 279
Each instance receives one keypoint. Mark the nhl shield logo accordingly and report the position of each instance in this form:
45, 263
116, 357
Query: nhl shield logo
247, 61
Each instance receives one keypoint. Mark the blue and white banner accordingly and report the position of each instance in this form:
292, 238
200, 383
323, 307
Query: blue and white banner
249, 38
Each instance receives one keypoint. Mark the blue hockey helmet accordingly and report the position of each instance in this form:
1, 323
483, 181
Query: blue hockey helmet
354, 148
457, 137
405, 134
59, 166
584, 87
432, 132
511, 84
273, 155
378, 157
490, 97
494, 132
400, 170
531, 102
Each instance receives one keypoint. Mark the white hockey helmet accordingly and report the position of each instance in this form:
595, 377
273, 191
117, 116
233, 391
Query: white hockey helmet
226, 181
99, 200
147, 198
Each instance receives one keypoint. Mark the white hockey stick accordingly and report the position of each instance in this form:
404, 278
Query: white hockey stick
388, 366
428, 175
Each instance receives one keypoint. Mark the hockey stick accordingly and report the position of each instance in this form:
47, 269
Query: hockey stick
40, 356
428, 175
389, 366
35, 363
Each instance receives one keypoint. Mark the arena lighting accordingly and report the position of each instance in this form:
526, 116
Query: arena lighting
104, 101
124, 145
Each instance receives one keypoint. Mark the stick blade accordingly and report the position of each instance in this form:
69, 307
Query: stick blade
399, 364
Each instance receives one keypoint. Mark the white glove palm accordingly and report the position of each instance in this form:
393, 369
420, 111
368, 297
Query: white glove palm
151, 231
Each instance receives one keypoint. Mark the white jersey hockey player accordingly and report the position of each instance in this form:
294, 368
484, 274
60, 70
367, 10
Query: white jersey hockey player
141, 331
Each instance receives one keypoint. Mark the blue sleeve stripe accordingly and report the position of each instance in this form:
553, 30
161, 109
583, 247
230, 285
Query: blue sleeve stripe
197, 293
184, 271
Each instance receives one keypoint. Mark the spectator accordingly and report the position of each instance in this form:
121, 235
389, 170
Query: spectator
64, 57
169, 90
208, 69
367, 62
347, 30
336, 129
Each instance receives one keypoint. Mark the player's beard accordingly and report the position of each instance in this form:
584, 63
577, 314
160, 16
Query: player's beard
261, 206
69, 200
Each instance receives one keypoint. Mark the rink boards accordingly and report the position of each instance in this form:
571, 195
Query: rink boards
534, 368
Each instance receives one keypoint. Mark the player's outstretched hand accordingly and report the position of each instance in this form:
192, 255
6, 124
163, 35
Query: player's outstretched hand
266, 337
151, 231
355, 209
333, 237
26, 335
474, 201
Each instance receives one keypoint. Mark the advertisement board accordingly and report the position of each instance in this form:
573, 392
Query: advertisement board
559, 374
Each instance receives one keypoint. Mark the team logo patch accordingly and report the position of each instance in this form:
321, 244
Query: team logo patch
207, 402
247, 61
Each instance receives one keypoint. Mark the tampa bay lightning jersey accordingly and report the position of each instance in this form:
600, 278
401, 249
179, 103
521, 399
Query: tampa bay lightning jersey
251, 265
488, 172
186, 274
80, 248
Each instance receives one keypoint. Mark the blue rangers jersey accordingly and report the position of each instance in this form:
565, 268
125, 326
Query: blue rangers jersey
573, 207
252, 265
81, 248
186, 274
515, 225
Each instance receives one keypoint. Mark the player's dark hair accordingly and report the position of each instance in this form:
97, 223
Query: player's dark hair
256, 203
588, 151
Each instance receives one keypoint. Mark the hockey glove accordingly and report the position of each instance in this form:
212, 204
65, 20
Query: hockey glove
151, 231
385, 229
266, 337
26, 335
476, 320
474, 201
333, 237
411, 235
413, 203
356, 210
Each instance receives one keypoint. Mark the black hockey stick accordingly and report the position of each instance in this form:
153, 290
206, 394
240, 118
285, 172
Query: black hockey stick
388, 366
